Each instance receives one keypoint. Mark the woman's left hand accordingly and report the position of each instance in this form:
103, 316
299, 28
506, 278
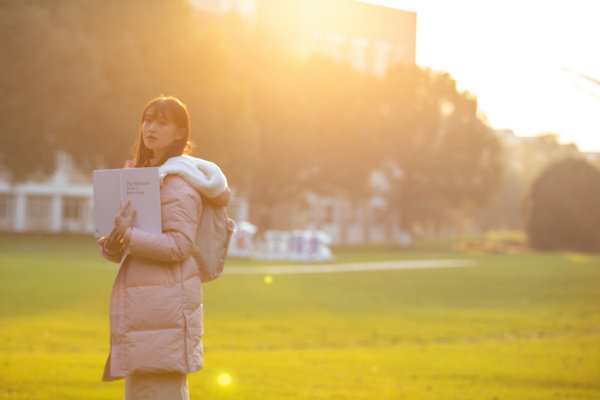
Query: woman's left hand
122, 221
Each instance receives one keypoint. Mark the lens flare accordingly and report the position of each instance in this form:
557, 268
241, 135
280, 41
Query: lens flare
224, 379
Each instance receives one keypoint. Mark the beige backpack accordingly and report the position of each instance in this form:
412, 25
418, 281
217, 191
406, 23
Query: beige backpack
212, 241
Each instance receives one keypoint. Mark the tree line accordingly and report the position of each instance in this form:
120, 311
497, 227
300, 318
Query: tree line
75, 76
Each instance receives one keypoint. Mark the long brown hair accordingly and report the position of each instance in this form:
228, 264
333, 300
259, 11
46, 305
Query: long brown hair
174, 110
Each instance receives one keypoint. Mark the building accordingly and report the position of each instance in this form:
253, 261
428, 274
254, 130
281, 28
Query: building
368, 37
59, 203
592, 156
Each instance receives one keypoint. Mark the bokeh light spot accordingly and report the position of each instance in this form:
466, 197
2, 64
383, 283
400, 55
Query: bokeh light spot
224, 379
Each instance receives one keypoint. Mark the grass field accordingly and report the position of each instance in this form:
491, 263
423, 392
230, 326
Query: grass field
521, 326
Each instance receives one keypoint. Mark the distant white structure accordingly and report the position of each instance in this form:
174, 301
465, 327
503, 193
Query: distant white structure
242, 241
296, 245
60, 203
592, 156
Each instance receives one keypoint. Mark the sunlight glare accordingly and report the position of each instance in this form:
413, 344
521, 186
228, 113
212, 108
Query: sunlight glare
510, 54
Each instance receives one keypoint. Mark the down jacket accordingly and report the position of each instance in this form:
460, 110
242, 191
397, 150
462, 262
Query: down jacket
156, 300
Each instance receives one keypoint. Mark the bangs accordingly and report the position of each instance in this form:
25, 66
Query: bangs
160, 109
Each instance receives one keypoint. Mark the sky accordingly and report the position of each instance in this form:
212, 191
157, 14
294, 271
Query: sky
512, 55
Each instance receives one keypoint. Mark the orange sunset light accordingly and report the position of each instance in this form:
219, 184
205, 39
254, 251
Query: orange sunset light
512, 55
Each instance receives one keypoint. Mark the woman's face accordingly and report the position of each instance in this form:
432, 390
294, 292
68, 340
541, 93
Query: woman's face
159, 133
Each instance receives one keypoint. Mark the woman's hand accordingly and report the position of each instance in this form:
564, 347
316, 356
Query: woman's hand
113, 243
122, 221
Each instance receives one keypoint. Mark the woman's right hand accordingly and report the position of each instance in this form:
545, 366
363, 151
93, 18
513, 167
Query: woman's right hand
113, 242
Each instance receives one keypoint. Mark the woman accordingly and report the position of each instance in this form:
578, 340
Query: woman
156, 301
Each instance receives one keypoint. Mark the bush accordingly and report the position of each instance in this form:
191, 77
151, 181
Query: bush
504, 242
562, 209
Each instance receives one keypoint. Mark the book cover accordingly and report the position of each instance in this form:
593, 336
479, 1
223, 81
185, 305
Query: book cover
140, 186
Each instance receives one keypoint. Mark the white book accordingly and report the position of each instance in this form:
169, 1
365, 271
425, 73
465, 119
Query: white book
140, 186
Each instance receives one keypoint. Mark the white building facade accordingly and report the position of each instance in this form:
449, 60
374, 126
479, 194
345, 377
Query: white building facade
60, 203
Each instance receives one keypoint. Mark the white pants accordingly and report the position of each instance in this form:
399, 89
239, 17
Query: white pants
164, 386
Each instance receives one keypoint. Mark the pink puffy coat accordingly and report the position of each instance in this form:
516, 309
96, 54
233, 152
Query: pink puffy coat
156, 301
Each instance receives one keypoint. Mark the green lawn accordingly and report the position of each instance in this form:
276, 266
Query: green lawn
522, 326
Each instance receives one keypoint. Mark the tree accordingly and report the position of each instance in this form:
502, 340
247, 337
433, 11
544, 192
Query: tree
523, 160
311, 121
440, 154
74, 82
341, 118
562, 211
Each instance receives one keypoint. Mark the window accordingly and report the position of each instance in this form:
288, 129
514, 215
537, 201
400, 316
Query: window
38, 207
336, 45
316, 42
39, 213
359, 54
353, 214
7, 211
381, 57
329, 214
6, 206
379, 216
72, 208
401, 54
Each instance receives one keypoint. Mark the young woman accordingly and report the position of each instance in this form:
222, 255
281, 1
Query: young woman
156, 301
